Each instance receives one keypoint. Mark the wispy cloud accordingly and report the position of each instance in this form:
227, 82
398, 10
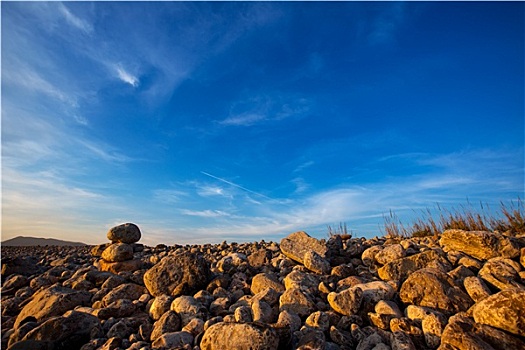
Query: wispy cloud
236, 185
75, 21
246, 119
126, 76
205, 213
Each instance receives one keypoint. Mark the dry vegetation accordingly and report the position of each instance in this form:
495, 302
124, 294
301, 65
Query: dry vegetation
510, 219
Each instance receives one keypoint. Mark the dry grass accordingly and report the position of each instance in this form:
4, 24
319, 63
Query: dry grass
510, 218
338, 231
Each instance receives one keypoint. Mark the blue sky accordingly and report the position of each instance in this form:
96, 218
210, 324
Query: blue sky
241, 121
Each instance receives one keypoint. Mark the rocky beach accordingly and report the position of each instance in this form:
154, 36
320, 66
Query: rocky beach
457, 290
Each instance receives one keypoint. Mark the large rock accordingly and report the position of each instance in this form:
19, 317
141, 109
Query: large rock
501, 273
121, 266
463, 333
239, 336
184, 273
118, 252
297, 244
296, 301
400, 269
169, 322
347, 302
504, 310
481, 245
53, 301
129, 291
264, 281
432, 288
70, 331
125, 233
26, 266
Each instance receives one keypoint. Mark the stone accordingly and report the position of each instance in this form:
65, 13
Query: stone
262, 312
243, 314
121, 266
481, 245
173, 340
311, 339
188, 307
99, 249
129, 291
375, 291
304, 281
65, 332
369, 255
501, 273
118, 252
522, 257
195, 327
263, 281
346, 302
260, 258
463, 333
433, 288
117, 309
13, 283
298, 243
390, 253
169, 322
319, 320
124, 233
184, 273
400, 269
290, 320
315, 263
159, 306
25, 266
476, 288
239, 336
53, 301
433, 326
296, 301
504, 310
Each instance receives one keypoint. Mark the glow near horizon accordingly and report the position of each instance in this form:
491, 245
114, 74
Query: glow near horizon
204, 122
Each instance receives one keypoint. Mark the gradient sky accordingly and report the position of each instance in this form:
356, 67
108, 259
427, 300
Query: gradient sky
241, 121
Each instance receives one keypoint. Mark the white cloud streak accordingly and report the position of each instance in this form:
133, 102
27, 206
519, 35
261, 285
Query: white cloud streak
127, 77
235, 185
74, 20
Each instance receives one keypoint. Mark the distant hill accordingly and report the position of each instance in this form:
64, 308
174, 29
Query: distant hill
34, 241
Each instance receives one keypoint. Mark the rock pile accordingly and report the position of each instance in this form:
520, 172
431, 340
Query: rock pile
462, 290
117, 256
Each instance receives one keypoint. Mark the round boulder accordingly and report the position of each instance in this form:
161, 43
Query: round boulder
240, 336
125, 233
118, 252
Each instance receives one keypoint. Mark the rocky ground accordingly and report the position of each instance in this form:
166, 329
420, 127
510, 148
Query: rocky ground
461, 290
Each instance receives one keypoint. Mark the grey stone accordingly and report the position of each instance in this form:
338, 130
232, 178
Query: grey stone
124, 233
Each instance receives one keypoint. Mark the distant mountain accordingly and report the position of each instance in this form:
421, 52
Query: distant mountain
34, 241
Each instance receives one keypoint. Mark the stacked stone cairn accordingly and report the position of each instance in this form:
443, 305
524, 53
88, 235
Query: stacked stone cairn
461, 290
118, 255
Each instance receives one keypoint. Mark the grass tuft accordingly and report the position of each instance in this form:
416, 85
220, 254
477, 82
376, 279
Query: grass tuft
510, 219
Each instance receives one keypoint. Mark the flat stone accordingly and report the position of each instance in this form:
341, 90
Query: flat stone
53, 301
239, 336
434, 288
263, 281
400, 269
122, 266
481, 245
298, 243
504, 310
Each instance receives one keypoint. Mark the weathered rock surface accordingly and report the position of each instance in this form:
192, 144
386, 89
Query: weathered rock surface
176, 275
241, 336
53, 301
432, 288
504, 310
125, 233
400, 269
479, 244
118, 252
297, 244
